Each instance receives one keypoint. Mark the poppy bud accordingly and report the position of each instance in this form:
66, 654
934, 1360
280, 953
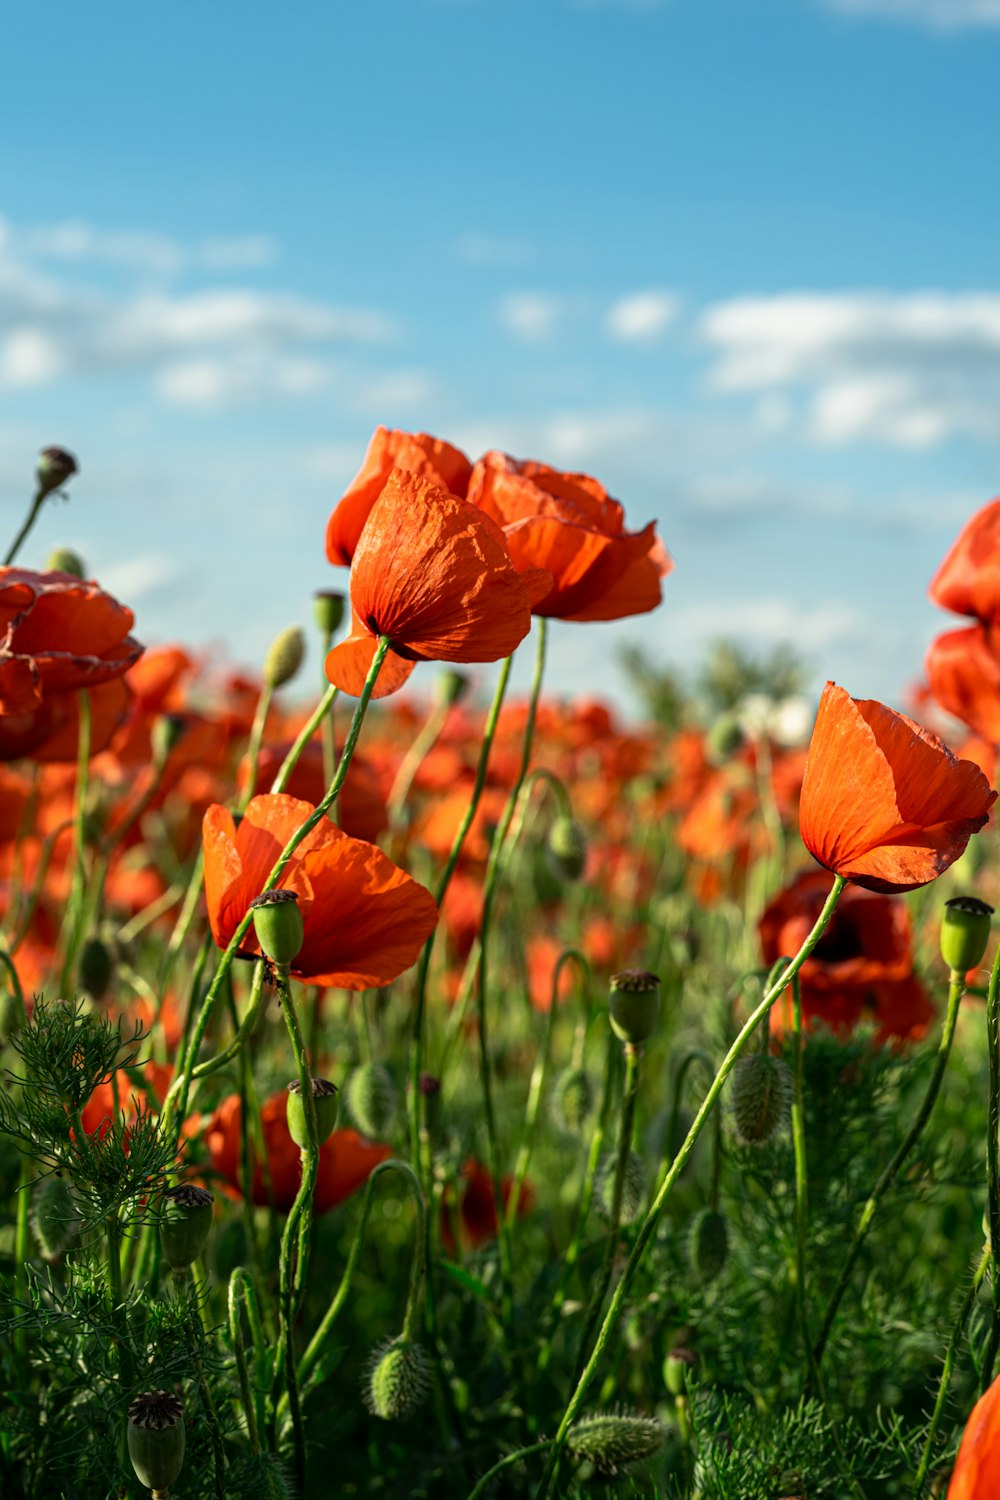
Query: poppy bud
397, 1379
371, 1099
634, 1004
278, 924
96, 968
574, 1099
167, 731
65, 560
567, 849
54, 1216
675, 1370
327, 1106
760, 1097
708, 1244
612, 1440
285, 656
724, 738
450, 686
156, 1438
53, 469
328, 611
633, 1187
185, 1223
965, 933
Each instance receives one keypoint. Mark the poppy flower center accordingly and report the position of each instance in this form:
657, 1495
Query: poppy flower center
839, 943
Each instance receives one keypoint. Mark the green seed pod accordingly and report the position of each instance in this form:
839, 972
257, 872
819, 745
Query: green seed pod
397, 1379
285, 657
65, 560
573, 1099
53, 469
567, 849
54, 1216
371, 1099
328, 611
634, 1004
96, 969
185, 1223
156, 1438
965, 933
278, 924
675, 1370
450, 686
168, 730
613, 1440
760, 1095
633, 1187
708, 1244
327, 1105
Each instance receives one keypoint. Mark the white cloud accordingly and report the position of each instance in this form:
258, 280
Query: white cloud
240, 380
136, 579
642, 317
908, 370
76, 240
530, 316
238, 253
769, 621
946, 15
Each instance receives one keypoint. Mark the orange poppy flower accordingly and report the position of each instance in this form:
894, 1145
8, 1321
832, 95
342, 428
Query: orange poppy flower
885, 803
477, 1212
431, 573
963, 671
346, 1159
58, 634
569, 525
968, 581
417, 453
365, 919
976, 1475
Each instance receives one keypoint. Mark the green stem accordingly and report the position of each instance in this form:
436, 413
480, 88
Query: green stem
22, 1242
32, 517
75, 910
238, 1282
949, 1362
956, 989
254, 743
320, 715
993, 1157
648, 1227
801, 1170
505, 1463
412, 761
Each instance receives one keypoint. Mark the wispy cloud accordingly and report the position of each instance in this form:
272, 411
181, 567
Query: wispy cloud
530, 316
76, 240
945, 15
906, 370
642, 317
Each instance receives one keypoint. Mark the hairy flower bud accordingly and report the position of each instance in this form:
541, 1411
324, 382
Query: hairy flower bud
278, 924
613, 1440
185, 1223
965, 933
633, 1187
567, 849
53, 469
285, 657
96, 969
397, 1379
450, 685
759, 1097
634, 1004
371, 1099
328, 611
156, 1438
708, 1244
327, 1106
65, 560
574, 1099
675, 1370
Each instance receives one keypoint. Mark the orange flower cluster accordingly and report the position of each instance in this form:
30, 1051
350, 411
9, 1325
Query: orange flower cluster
963, 666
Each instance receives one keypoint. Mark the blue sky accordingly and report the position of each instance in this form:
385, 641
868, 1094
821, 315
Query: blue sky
738, 258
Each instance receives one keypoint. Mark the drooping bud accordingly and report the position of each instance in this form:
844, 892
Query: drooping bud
397, 1379
285, 657
965, 933
54, 1216
634, 1004
371, 1099
633, 1187
278, 924
328, 611
760, 1094
156, 1438
53, 469
167, 731
96, 969
573, 1099
65, 560
613, 1440
326, 1104
450, 686
708, 1244
185, 1223
675, 1370
567, 849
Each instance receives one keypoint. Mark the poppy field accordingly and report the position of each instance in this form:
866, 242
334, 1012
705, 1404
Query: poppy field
406, 1094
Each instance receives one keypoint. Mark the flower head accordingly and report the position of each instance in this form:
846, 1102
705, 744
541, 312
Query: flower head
976, 1475
884, 803
968, 581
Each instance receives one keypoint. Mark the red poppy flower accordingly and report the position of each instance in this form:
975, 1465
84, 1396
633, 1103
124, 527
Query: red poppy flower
968, 581
417, 453
569, 525
365, 919
346, 1159
963, 670
432, 574
477, 1212
976, 1475
862, 966
58, 634
885, 803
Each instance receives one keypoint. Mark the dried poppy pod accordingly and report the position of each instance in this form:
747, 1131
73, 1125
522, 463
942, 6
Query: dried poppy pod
965, 933
185, 1224
156, 1439
326, 1104
54, 467
279, 926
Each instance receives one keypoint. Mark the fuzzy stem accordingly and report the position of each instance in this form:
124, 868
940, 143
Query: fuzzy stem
237, 1292
949, 1362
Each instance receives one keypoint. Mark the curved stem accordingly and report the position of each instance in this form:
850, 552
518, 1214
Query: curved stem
32, 517
949, 1361
237, 1293
505, 1463
319, 716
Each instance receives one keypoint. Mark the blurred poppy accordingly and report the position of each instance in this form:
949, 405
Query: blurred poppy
968, 581
569, 525
477, 1213
884, 803
365, 919
976, 1475
416, 452
346, 1159
59, 634
963, 671
432, 574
